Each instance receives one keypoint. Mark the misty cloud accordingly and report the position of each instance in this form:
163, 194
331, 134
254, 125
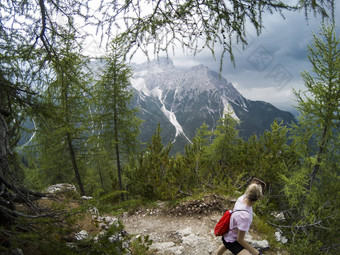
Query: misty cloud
269, 67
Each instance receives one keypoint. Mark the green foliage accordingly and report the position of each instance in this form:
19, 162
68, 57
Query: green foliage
109, 243
141, 246
115, 125
111, 197
306, 244
58, 147
224, 152
266, 231
81, 130
191, 169
310, 190
148, 178
295, 188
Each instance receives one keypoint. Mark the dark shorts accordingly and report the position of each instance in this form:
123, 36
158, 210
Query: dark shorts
234, 247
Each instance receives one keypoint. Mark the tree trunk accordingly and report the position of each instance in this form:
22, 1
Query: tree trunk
5, 219
74, 164
68, 136
319, 157
119, 172
100, 175
116, 138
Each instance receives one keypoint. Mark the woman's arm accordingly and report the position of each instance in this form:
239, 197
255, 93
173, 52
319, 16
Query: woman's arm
245, 244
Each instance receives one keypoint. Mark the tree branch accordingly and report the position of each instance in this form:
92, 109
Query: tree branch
14, 213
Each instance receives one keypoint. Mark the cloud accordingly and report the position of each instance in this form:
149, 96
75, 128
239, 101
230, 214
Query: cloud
269, 67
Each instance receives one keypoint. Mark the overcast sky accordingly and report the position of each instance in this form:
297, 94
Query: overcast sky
270, 66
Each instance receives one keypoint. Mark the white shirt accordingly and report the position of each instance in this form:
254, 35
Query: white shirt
240, 220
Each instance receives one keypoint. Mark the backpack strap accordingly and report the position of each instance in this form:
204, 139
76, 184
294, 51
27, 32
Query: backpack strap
231, 212
239, 211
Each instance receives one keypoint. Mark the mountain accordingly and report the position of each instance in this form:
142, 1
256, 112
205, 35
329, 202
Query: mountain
181, 101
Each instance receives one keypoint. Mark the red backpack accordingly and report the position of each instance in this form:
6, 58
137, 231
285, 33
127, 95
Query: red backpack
222, 225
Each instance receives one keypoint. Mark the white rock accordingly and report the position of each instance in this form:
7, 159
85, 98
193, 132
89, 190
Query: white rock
81, 235
184, 232
177, 250
284, 240
279, 216
113, 238
279, 237
96, 239
102, 225
102, 233
60, 187
168, 247
86, 197
94, 212
263, 244
111, 220
162, 246
193, 240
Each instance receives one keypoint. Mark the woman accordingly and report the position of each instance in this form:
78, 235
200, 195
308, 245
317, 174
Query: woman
240, 222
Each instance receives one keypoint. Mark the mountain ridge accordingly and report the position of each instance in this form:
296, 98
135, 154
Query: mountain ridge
189, 98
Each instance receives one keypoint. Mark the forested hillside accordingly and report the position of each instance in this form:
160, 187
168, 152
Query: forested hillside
86, 132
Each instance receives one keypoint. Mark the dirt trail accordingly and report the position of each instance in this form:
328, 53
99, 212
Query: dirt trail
176, 234
186, 229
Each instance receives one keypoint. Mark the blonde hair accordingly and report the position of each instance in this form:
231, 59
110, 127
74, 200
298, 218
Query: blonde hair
254, 192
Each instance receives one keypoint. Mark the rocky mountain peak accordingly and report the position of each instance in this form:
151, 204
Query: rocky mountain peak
181, 101
200, 67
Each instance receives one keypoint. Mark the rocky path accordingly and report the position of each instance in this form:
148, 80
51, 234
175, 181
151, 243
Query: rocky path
186, 228
177, 232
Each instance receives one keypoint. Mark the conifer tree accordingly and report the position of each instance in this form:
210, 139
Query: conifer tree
320, 103
157, 161
61, 136
149, 177
116, 122
270, 157
195, 165
312, 190
225, 146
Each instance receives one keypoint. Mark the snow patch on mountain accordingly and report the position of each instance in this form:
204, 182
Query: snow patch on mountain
139, 85
157, 92
229, 109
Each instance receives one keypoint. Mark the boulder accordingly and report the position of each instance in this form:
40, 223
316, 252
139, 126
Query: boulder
86, 198
280, 237
258, 244
81, 235
111, 221
280, 217
60, 187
